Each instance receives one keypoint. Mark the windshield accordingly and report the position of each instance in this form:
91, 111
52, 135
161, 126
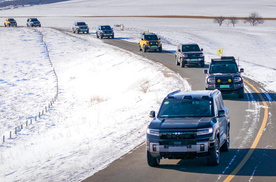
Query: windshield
186, 108
81, 23
106, 28
34, 19
151, 37
11, 19
223, 68
190, 48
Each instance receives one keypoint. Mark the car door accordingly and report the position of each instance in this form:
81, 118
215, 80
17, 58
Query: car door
222, 120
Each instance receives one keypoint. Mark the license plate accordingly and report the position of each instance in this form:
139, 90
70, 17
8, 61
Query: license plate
193, 59
154, 47
225, 86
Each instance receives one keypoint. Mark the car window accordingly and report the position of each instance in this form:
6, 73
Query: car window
106, 28
223, 68
190, 48
151, 37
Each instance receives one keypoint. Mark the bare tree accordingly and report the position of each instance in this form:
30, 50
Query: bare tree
233, 21
254, 19
219, 20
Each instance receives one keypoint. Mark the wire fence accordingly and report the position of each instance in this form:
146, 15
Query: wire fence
17, 129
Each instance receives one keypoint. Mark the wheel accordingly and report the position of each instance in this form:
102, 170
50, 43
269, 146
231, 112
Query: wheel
78, 31
160, 49
101, 36
182, 64
176, 61
225, 146
87, 32
241, 93
213, 159
152, 161
5, 24
112, 36
202, 64
140, 49
9, 25
144, 49
97, 35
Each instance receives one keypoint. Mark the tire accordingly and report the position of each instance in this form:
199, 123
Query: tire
112, 36
97, 35
202, 64
176, 61
241, 93
140, 49
213, 159
225, 146
9, 25
160, 49
87, 32
152, 161
78, 31
5, 24
101, 36
182, 64
144, 49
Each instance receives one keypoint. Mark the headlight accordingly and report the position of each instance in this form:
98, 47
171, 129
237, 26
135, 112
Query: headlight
204, 131
147, 43
201, 55
237, 79
153, 132
185, 55
211, 80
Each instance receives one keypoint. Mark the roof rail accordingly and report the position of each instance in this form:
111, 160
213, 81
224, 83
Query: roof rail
170, 95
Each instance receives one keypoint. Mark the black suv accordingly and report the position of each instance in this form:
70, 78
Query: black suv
80, 27
224, 75
104, 31
188, 125
189, 54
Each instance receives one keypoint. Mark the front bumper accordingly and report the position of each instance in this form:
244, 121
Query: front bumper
226, 89
199, 149
192, 61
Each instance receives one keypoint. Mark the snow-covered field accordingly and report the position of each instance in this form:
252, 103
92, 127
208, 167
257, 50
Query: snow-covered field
105, 93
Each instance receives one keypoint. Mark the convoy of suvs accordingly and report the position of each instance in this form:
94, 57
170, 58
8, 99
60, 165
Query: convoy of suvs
189, 124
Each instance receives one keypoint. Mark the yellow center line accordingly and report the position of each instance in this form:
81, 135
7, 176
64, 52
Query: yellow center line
257, 139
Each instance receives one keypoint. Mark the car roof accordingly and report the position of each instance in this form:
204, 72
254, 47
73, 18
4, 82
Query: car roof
188, 44
192, 94
223, 59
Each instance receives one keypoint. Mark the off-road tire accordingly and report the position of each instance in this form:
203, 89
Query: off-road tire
225, 146
144, 49
241, 93
182, 64
152, 161
213, 159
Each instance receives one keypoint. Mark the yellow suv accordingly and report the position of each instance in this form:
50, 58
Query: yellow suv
10, 22
149, 41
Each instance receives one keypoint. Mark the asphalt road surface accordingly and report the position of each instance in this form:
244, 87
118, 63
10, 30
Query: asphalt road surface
252, 154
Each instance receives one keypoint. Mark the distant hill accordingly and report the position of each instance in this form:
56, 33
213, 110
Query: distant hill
27, 2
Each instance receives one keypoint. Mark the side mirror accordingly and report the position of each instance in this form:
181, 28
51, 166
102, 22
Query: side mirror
241, 70
152, 114
201, 49
142, 39
179, 50
205, 71
221, 113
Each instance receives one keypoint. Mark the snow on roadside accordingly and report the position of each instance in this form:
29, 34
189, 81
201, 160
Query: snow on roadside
105, 95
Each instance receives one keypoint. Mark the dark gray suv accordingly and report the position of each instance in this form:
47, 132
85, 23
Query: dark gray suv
224, 75
189, 54
189, 125
104, 31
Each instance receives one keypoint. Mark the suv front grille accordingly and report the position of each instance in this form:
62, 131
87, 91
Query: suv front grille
178, 135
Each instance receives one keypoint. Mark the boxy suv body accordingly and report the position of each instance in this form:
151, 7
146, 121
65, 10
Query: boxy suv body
188, 125
224, 75
189, 54
149, 41
80, 27
33, 22
104, 31
10, 22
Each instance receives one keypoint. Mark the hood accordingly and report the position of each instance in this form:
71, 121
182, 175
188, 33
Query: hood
181, 123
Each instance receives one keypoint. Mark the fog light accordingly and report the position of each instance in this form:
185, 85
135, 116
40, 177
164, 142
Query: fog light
154, 147
202, 147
